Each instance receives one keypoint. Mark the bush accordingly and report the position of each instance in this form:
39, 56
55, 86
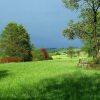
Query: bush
50, 58
10, 59
41, 54
57, 53
44, 53
97, 60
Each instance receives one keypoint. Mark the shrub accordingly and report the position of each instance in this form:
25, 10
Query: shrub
97, 60
10, 59
44, 53
57, 53
41, 54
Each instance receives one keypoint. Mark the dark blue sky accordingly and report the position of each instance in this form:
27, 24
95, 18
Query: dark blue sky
43, 19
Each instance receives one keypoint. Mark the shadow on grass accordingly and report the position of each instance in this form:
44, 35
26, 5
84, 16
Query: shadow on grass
65, 87
69, 88
3, 73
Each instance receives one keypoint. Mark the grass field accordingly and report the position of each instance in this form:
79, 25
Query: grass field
48, 80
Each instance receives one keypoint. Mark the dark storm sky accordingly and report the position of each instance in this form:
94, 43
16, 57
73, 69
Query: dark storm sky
43, 19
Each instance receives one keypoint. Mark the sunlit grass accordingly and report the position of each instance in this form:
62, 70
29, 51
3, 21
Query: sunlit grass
19, 80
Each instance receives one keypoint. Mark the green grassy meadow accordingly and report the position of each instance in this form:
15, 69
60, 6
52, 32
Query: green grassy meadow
48, 80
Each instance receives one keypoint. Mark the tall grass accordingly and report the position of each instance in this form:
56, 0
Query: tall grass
48, 80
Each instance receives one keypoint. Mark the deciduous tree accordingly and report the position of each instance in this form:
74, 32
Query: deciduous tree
89, 25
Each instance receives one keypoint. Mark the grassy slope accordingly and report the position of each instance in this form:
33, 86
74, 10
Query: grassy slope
48, 80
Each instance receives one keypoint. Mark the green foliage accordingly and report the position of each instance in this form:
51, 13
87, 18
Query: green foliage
89, 48
70, 51
97, 60
15, 41
32, 47
77, 52
88, 28
57, 51
39, 55
71, 4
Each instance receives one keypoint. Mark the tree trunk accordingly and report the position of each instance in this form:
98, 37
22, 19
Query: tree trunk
95, 34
